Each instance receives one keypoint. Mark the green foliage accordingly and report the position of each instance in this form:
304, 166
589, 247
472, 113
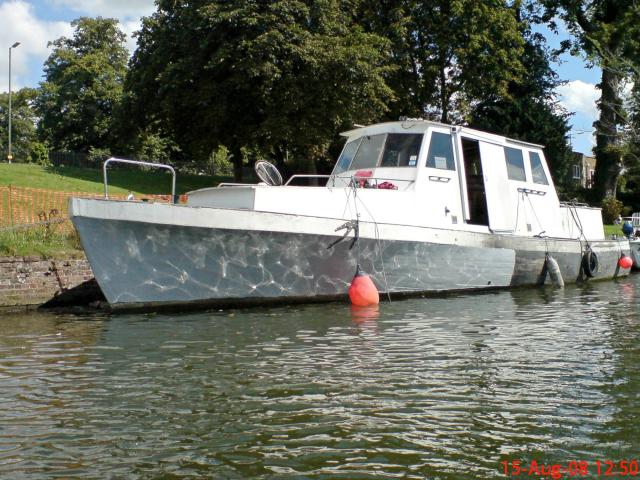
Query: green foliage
221, 162
97, 156
450, 54
23, 128
611, 209
83, 86
530, 111
283, 76
153, 147
46, 241
607, 32
39, 154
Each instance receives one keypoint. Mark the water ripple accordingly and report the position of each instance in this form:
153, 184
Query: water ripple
425, 388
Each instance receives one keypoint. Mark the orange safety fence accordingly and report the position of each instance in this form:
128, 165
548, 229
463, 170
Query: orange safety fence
23, 207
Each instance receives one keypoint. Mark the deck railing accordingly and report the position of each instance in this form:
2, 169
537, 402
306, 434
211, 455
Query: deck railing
141, 164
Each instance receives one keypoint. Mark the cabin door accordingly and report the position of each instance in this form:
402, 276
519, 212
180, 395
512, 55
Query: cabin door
476, 194
501, 210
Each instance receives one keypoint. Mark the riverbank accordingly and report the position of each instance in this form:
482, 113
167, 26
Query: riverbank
28, 282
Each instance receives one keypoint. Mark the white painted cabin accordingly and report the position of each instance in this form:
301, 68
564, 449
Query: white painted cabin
452, 178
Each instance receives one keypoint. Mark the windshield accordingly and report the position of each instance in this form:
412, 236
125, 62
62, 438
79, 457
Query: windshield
369, 152
383, 150
346, 156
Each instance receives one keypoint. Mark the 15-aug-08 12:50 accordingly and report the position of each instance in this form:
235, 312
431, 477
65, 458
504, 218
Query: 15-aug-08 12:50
572, 468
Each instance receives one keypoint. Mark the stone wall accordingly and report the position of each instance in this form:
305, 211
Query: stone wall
31, 281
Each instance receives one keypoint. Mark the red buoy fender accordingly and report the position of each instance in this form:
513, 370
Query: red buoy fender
362, 291
625, 262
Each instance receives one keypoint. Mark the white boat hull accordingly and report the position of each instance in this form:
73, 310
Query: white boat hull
150, 255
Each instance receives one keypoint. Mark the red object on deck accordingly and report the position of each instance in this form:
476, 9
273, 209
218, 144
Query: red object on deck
625, 262
361, 177
364, 174
387, 186
362, 291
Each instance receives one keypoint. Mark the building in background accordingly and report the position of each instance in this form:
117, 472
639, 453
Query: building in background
583, 169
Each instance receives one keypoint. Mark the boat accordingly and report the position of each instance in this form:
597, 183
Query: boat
630, 227
420, 206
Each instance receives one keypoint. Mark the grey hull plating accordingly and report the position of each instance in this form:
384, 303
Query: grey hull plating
141, 264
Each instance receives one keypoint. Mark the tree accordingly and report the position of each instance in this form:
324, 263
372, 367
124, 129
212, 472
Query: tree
629, 183
530, 112
23, 119
450, 53
278, 76
83, 86
606, 31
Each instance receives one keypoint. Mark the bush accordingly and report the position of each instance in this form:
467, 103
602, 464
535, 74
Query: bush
152, 147
221, 162
97, 156
611, 209
39, 154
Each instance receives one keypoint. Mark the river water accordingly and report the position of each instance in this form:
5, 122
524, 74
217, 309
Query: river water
442, 388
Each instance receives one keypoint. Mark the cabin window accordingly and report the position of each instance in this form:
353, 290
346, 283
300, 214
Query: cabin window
346, 156
515, 164
441, 152
537, 170
369, 152
401, 150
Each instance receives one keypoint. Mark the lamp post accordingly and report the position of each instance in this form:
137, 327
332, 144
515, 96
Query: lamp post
15, 45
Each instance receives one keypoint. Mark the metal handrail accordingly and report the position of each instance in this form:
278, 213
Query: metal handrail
305, 176
136, 162
231, 184
376, 180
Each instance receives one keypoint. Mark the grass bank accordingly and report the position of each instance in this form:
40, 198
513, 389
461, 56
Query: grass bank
57, 242
121, 181
40, 241
612, 230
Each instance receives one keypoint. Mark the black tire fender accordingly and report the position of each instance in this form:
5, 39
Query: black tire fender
590, 263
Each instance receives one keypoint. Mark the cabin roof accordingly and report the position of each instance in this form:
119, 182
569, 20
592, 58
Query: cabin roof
420, 125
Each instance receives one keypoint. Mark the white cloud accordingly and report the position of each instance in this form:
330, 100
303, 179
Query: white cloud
120, 9
129, 27
21, 25
128, 12
579, 97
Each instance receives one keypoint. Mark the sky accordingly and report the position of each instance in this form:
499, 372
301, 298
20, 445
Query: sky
34, 23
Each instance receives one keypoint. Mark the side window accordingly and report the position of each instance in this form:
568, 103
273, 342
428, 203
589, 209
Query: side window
369, 152
401, 150
515, 164
537, 171
348, 152
576, 172
441, 152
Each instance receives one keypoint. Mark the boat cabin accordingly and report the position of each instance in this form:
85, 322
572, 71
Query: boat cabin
466, 176
417, 172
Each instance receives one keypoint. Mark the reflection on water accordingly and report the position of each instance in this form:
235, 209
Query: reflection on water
423, 388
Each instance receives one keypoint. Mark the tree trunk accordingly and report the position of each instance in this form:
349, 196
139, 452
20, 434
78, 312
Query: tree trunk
607, 149
444, 97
